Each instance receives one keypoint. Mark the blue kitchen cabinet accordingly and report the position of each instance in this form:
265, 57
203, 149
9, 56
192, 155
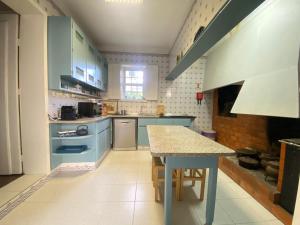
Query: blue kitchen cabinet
142, 130
88, 155
143, 122
187, 122
103, 137
79, 54
91, 66
100, 145
98, 142
99, 72
72, 57
143, 136
105, 74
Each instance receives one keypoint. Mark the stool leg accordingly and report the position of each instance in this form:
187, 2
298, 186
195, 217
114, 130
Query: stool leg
178, 175
202, 184
155, 183
193, 177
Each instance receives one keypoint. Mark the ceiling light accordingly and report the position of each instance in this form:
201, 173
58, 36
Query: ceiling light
125, 1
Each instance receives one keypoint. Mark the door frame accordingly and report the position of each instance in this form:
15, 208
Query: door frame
11, 92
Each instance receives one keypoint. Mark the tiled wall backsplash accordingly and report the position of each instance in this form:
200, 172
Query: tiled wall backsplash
178, 96
57, 99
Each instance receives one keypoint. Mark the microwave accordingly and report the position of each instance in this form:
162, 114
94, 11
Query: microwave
88, 109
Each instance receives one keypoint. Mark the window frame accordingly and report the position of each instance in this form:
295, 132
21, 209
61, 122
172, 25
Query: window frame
124, 84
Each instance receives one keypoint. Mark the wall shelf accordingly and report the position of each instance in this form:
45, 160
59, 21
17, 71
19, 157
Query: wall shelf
72, 137
233, 12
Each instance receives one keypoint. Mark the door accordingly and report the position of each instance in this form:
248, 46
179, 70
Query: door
10, 147
79, 53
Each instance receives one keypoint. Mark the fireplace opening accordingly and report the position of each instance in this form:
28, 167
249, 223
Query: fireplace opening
226, 98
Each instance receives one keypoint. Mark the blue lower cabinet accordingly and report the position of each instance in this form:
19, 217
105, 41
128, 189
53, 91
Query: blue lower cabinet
142, 126
165, 121
97, 142
103, 138
143, 136
183, 122
100, 145
86, 156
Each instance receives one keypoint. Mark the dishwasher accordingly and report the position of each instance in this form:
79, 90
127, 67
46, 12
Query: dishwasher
124, 134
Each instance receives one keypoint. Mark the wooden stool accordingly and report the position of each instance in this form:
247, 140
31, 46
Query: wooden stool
157, 168
194, 175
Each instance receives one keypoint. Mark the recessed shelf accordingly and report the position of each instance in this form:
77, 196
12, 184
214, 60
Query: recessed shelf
233, 12
79, 93
72, 138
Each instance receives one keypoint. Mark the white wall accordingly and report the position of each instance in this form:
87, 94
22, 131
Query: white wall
34, 91
34, 83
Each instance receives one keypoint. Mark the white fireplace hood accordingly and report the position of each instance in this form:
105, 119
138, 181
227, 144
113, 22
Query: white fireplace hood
263, 52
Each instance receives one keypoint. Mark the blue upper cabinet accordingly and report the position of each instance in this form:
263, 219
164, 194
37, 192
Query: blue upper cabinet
79, 54
91, 66
104, 74
72, 56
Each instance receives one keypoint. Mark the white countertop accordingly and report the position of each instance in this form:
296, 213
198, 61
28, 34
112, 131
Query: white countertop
181, 141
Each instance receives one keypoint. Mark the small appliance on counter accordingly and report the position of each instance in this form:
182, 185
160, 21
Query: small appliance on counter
68, 113
160, 110
88, 109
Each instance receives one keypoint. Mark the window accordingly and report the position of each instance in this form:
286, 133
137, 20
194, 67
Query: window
132, 82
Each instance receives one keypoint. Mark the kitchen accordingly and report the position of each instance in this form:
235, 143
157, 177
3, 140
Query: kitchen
109, 65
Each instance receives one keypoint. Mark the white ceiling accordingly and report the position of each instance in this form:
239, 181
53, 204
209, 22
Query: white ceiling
151, 27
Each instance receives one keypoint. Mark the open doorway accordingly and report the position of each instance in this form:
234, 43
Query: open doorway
10, 144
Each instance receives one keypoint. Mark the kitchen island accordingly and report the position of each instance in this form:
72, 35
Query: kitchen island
184, 148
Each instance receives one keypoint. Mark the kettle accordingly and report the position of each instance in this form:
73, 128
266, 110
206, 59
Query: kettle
82, 130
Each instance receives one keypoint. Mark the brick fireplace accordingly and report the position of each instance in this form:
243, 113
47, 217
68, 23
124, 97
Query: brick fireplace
240, 131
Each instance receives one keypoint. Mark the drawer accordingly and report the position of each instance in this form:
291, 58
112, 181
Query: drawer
148, 121
102, 125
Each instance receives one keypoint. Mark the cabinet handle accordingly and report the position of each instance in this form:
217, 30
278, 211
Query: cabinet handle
79, 36
91, 78
79, 71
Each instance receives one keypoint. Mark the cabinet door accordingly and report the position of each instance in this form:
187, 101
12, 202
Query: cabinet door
91, 66
98, 148
99, 79
183, 122
78, 53
165, 121
100, 144
108, 138
105, 75
143, 136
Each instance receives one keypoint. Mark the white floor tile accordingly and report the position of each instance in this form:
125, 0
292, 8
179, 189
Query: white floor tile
21, 183
120, 191
5, 196
245, 210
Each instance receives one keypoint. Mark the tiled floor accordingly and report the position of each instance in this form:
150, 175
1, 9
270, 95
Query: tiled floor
120, 192
10, 190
